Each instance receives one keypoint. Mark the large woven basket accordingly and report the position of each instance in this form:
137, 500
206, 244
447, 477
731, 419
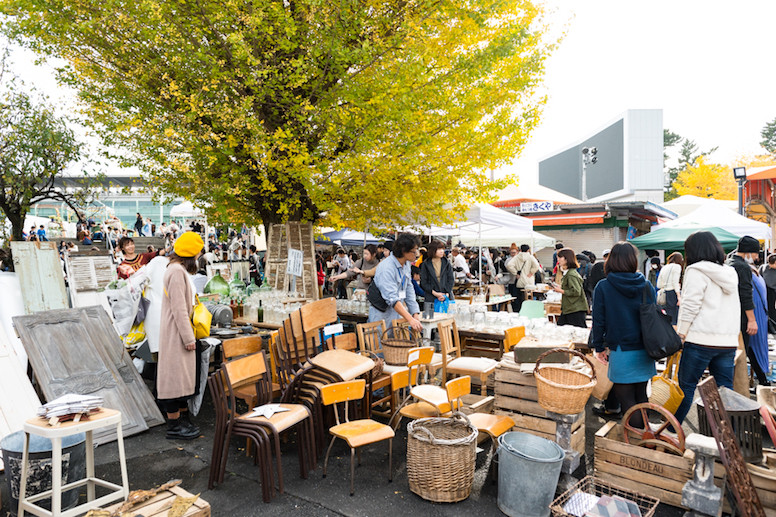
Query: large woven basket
441, 455
396, 343
563, 390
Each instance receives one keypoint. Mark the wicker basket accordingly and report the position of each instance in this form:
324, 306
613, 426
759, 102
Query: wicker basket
590, 485
396, 344
563, 390
379, 362
441, 455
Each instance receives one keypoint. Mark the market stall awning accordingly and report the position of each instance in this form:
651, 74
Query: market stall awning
672, 239
566, 219
350, 238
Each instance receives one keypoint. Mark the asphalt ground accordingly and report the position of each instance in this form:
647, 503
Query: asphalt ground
153, 460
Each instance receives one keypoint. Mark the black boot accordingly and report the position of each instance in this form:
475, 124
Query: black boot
186, 423
176, 430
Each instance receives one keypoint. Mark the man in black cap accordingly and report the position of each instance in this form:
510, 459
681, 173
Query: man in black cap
743, 261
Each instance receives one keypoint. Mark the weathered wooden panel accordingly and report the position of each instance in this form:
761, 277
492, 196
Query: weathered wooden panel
78, 351
90, 272
19, 401
40, 274
281, 238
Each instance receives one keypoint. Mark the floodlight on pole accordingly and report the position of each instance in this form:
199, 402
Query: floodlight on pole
739, 174
589, 155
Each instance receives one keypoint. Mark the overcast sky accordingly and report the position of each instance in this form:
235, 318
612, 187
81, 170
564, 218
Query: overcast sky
707, 64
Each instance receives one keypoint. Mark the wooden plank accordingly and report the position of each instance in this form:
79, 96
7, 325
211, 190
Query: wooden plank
78, 351
517, 391
514, 377
665, 496
159, 505
643, 465
611, 442
545, 425
40, 275
523, 406
578, 440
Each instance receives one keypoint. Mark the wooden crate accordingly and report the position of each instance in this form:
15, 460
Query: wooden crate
662, 474
516, 396
159, 505
545, 428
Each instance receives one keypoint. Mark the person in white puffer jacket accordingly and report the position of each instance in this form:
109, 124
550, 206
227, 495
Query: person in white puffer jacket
709, 317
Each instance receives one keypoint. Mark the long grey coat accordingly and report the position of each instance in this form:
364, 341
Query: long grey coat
177, 367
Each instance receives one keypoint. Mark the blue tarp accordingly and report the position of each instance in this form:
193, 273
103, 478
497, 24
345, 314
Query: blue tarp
349, 238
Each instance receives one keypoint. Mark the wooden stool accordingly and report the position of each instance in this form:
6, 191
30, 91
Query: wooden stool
40, 427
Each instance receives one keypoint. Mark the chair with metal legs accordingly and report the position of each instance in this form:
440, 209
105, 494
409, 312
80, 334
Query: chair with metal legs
356, 433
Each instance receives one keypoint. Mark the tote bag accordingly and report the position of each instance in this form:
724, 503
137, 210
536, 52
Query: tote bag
659, 337
665, 387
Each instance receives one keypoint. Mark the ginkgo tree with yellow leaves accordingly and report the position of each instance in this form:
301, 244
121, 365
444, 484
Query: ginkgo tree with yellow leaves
362, 112
706, 180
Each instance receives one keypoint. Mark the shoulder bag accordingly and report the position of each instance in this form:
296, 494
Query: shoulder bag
201, 319
665, 386
376, 298
659, 337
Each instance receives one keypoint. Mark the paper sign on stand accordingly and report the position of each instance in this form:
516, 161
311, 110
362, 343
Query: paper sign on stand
294, 266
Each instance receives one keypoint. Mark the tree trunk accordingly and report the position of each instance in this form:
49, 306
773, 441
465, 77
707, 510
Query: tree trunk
17, 224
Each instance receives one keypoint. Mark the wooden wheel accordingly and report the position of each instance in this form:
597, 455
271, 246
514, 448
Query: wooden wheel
654, 438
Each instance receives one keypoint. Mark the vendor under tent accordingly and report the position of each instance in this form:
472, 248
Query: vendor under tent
350, 238
486, 225
715, 213
672, 239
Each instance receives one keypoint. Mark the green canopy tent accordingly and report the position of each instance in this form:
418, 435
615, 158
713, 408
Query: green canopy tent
672, 239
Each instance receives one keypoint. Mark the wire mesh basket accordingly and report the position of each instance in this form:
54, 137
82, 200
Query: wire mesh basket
592, 486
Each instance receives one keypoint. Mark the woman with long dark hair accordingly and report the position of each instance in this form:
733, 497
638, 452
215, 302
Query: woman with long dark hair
436, 273
616, 334
176, 370
573, 304
709, 317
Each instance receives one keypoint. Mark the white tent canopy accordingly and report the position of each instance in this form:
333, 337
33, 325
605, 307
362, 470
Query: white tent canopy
186, 209
715, 213
486, 225
685, 205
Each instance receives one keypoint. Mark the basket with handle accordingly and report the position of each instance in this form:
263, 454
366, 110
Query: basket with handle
665, 387
441, 456
563, 390
379, 362
396, 343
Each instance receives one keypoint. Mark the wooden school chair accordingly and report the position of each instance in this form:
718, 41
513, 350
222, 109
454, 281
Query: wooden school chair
356, 433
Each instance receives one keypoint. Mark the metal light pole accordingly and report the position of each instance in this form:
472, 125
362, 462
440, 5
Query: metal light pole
588, 156
739, 173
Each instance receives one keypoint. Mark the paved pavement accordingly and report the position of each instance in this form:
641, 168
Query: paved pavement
153, 460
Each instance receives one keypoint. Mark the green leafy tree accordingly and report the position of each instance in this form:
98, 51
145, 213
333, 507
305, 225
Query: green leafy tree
769, 137
370, 113
36, 148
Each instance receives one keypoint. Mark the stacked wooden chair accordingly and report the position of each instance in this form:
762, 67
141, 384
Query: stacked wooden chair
262, 431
